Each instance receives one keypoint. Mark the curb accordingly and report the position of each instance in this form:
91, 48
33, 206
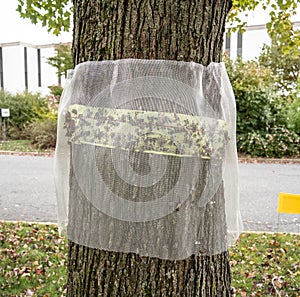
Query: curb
32, 154
29, 222
270, 160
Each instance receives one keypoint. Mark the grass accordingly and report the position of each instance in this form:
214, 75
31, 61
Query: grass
33, 262
19, 146
266, 265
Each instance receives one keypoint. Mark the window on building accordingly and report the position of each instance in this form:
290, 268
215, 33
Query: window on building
39, 67
25, 68
239, 44
1, 70
227, 44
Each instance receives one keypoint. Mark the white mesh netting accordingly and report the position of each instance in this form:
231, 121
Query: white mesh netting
146, 158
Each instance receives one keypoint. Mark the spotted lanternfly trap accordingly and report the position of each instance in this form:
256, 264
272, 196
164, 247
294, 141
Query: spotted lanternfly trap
146, 158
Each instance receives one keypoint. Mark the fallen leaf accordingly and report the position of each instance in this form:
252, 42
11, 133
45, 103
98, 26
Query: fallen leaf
40, 271
250, 274
29, 292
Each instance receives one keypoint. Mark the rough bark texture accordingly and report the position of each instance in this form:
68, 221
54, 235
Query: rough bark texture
149, 29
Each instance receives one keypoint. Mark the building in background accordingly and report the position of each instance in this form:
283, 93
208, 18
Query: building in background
248, 45
24, 67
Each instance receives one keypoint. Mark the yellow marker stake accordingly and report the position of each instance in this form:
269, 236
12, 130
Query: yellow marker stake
289, 203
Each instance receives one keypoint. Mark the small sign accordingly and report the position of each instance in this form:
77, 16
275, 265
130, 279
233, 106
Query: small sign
5, 113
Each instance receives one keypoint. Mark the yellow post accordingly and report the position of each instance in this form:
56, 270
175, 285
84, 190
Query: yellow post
289, 203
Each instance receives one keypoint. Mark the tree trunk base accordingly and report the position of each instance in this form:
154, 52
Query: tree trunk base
93, 272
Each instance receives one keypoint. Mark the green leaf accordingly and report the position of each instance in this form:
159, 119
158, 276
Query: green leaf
279, 27
55, 15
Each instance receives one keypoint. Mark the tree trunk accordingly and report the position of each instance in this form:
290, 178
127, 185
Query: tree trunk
148, 29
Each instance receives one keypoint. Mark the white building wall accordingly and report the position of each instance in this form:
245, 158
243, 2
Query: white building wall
49, 76
253, 41
233, 45
13, 68
256, 34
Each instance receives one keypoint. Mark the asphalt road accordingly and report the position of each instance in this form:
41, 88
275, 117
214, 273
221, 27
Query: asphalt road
27, 192
259, 188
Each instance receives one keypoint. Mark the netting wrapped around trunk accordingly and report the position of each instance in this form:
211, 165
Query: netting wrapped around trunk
146, 158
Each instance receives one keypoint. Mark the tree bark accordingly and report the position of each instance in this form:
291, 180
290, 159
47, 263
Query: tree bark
148, 29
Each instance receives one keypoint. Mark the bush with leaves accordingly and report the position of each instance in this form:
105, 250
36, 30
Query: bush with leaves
292, 111
32, 117
42, 133
24, 108
285, 66
262, 128
277, 142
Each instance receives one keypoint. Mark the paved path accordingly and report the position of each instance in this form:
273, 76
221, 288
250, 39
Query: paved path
259, 188
27, 189
27, 192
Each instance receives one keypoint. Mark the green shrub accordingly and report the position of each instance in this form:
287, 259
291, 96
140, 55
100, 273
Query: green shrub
266, 125
258, 105
42, 133
257, 110
56, 91
24, 108
277, 142
292, 112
